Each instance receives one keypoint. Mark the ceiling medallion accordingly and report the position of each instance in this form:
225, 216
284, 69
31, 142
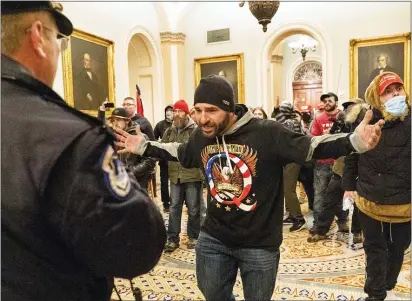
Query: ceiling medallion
263, 11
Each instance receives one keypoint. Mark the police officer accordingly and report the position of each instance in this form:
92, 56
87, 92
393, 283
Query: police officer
72, 218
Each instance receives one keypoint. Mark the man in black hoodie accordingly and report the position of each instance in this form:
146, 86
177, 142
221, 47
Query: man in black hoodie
243, 158
159, 131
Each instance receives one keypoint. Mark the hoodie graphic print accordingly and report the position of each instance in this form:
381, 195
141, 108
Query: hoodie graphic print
229, 171
243, 170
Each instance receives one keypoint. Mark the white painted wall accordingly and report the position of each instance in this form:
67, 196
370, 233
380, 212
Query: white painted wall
115, 21
340, 21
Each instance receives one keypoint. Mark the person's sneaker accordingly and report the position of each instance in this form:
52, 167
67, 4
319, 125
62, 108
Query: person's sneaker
357, 238
288, 221
316, 238
171, 246
166, 210
343, 227
191, 243
297, 226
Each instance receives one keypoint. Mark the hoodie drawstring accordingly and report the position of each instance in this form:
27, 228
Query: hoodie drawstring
382, 227
227, 154
218, 148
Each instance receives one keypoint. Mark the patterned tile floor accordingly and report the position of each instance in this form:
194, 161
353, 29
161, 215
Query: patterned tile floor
326, 270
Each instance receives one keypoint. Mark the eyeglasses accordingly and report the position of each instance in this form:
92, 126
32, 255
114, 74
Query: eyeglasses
62, 39
128, 104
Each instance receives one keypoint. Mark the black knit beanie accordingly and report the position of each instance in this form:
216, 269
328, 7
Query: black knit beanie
215, 90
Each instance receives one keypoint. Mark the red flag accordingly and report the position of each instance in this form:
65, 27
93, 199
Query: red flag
139, 103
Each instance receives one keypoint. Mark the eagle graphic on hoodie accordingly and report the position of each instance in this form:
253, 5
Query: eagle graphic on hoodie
243, 169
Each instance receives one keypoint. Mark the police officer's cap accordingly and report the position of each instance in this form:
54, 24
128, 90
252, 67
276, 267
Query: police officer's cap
119, 113
15, 7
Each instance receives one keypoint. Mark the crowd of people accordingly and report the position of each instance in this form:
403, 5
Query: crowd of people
76, 212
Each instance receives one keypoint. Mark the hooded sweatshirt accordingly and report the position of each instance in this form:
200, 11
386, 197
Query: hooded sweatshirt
163, 125
243, 169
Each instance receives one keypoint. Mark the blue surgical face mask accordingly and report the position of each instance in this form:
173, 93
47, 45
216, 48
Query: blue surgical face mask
396, 106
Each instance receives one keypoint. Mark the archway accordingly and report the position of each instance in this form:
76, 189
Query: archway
283, 31
144, 65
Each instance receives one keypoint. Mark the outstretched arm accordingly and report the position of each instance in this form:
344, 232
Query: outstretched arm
172, 151
365, 137
305, 148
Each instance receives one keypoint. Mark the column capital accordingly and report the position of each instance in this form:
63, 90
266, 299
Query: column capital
276, 58
172, 37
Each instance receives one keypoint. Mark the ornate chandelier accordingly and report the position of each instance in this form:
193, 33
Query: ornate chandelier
304, 44
263, 11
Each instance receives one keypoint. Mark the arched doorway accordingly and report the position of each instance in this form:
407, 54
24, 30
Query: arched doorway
283, 31
307, 84
143, 67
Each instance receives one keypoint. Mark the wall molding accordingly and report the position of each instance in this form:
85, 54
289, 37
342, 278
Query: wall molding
276, 58
172, 37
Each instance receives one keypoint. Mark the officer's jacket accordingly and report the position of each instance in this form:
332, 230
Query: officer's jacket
72, 218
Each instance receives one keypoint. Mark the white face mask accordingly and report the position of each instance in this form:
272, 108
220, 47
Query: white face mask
396, 106
169, 116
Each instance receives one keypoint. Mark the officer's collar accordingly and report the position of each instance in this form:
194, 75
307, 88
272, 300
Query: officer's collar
14, 71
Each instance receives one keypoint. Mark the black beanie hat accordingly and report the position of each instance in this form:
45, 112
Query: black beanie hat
215, 90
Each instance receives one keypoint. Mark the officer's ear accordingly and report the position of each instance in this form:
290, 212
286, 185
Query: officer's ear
37, 38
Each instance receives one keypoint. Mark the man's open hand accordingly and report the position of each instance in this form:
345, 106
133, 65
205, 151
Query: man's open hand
368, 135
129, 143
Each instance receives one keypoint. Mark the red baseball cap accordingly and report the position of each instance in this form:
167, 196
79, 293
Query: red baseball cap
388, 79
306, 109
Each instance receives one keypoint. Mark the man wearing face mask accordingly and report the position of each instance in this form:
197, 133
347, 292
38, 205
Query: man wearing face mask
380, 183
159, 131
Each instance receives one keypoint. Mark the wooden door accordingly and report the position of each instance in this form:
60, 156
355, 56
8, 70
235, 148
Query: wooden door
307, 93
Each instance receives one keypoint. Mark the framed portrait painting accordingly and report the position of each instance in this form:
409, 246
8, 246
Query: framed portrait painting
88, 71
372, 56
228, 66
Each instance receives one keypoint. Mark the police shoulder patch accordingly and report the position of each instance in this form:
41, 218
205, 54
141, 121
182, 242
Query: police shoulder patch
115, 176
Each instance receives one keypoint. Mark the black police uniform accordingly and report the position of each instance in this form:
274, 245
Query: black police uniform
72, 218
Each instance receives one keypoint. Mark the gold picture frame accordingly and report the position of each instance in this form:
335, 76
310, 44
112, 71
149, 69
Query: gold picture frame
394, 51
88, 71
231, 66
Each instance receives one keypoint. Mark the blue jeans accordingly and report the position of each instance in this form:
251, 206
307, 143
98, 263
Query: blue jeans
217, 266
189, 192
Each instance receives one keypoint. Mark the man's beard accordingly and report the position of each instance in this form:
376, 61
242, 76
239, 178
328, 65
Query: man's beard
179, 122
218, 129
330, 108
